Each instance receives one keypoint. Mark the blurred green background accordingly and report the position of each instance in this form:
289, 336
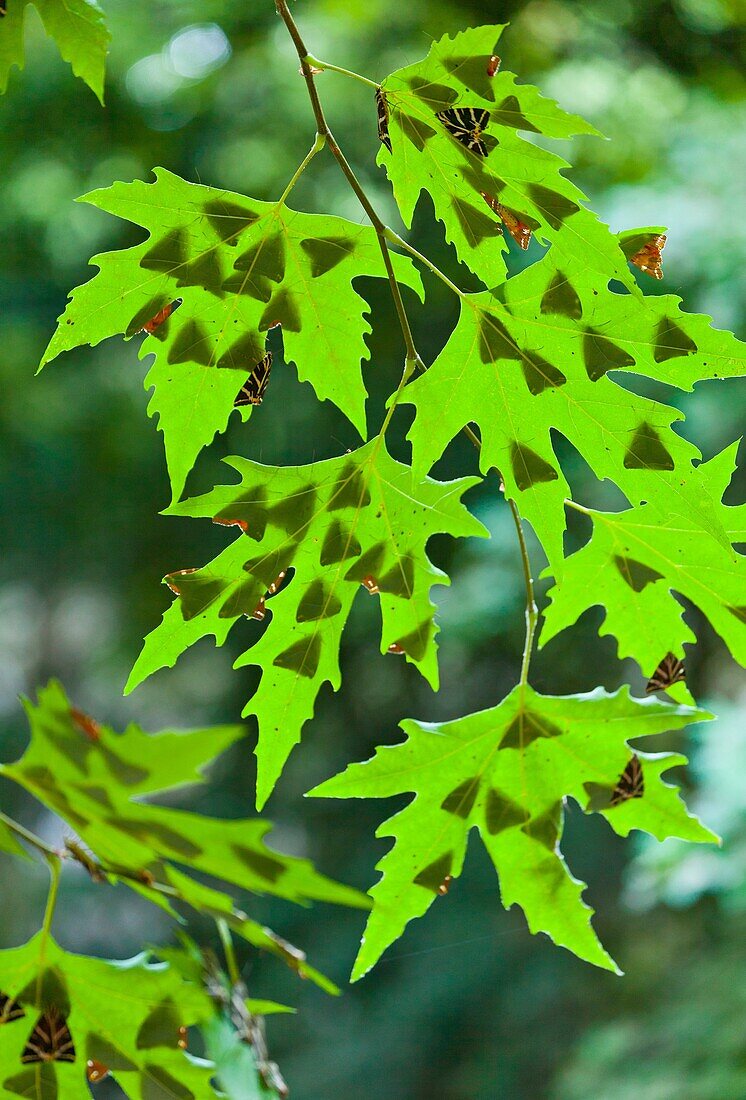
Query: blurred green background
467, 1006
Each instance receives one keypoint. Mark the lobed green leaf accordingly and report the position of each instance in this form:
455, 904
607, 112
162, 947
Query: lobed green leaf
541, 354
634, 562
77, 26
358, 520
525, 178
241, 267
507, 772
123, 1017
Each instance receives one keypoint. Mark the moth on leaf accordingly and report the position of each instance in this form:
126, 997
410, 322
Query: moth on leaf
383, 119
670, 671
519, 231
50, 1040
507, 772
253, 390
631, 783
468, 125
649, 258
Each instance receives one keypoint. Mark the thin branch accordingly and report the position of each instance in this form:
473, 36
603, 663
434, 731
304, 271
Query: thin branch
54, 871
413, 360
532, 611
323, 128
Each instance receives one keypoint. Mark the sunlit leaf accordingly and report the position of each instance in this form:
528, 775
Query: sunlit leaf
636, 560
332, 529
124, 1019
525, 178
507, 772
240, 267
78, 28
542, 353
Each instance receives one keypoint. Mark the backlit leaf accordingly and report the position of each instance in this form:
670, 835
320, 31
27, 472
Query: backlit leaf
525, 178
539, 354
352, 523
241, 267
636, 560
124, 1017
78, 28
507, 772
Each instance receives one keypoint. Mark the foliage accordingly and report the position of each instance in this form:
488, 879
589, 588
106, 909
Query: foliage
241, 267
77, 26
358, 520
124, 1018
560, 359
507, 771
93, 778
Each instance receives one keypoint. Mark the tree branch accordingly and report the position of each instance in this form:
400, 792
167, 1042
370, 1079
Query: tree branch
385, 235
323, 128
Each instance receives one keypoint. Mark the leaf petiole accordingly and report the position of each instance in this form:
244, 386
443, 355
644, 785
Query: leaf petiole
317, 146
325, 66
396, 239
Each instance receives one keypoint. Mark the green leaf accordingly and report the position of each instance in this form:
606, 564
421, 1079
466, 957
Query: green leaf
125, 1016
507, 771
77, 26
526, 179
241, 267
633, 563
90, 776
535, 356
9, 842
358, 520
235, 1063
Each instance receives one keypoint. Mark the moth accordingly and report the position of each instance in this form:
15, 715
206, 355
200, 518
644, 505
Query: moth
253, 389
9, 1009
445, 885
519, 231
467, 124
649, 258
162, 315
493, 65
669, 672
50, 1041
173, 584
95, 1071
3, 8
630, 784
383, 119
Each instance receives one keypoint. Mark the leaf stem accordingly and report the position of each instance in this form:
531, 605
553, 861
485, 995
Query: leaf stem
30, 838
532, 611
317, 146
323, 129
396, 239
577, 507
229, 951
54, 863
325, 65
